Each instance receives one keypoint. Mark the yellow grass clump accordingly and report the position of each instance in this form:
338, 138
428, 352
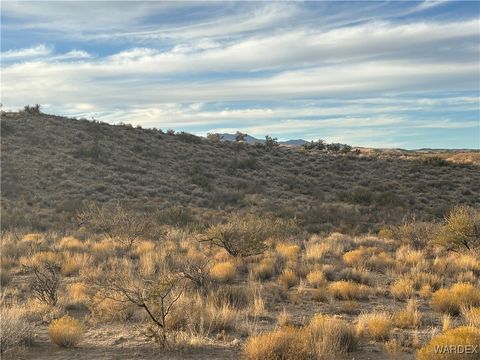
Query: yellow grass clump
324, 337
78, 292
453, 299
377, 325
70, 243
463, 339
316, 278
330, 336
265, 269
348, 290
402, 288
289, 251
288, 279
472, 315
224, 272
286, 343
409, 317
66, 331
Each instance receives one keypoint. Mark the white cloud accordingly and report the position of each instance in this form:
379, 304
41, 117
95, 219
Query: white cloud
19, 54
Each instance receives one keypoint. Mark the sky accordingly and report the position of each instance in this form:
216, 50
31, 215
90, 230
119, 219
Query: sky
380, 74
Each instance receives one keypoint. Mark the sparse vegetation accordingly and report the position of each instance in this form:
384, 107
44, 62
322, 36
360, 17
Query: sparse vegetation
66, 331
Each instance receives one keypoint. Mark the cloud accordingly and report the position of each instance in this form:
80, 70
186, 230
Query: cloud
20, 54
301, 69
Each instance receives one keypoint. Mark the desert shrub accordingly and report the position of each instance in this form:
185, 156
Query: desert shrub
289, 251
316, 278
78, 293
177, 216
347, 290
70, 266
386, 233
265, 269
245, 235
288, 279
200, 177
270, 143
415, 234
189, 138
461, 336
409, 317
453, 299
402, 288
316, 251
66, 331
358, 276
323, 337
70, 243
108, 310
461, 229
32, 109
116, 222
320, 294
472, 315
214, 137
286, 343
236, 296
330, 336
433, 161
16, 331
224, 272
45, 281
90, 150
377, 325
5, 277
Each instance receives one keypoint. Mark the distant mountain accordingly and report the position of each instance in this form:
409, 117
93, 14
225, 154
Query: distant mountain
252, 140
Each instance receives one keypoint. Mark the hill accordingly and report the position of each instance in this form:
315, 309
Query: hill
51, 165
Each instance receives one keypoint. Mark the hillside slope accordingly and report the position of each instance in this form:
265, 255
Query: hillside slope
51, 164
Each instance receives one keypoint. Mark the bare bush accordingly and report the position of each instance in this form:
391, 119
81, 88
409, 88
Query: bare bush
116, 222
245, 235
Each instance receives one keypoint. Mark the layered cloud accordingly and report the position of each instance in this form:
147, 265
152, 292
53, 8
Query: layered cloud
256, 67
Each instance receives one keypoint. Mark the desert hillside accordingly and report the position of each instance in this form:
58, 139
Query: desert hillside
122, 242
51, 165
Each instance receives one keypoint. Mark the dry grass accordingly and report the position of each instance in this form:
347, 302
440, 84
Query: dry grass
323, 338
66, 331
377, 325
347, 290
316, 278
453, 299
409, 317
285, 343
288, 279
330, 336
16, 332
289, 251
472, 315
224, 272
265, 269
402, 288
461, 336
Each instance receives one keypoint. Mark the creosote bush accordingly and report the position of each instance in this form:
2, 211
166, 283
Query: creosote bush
66, 331
461, 229
245, 235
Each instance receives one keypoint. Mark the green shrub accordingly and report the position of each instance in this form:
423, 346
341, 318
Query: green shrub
461, 229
